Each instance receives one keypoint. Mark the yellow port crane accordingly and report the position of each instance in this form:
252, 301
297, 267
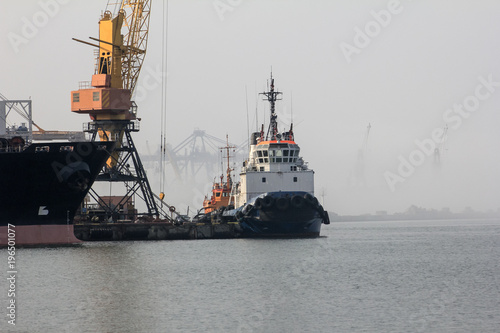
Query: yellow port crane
123, 37
107, 99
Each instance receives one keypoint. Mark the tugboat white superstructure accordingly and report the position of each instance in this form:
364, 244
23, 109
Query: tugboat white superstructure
275, 195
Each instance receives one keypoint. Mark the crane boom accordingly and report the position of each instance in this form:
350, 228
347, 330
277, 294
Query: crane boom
135, 29
135, 38
123, 35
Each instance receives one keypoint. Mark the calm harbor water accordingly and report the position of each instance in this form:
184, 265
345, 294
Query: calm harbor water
411, 276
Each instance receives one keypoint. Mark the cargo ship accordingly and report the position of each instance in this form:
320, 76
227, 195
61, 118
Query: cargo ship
41, 187
275, 194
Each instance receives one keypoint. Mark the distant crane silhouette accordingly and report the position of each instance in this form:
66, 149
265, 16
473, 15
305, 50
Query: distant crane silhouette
359, 178
199, 151
440, 149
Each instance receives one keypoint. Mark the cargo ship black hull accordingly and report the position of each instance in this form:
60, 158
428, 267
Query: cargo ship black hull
42, 186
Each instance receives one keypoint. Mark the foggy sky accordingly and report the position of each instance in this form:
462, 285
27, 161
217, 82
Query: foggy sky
407, 79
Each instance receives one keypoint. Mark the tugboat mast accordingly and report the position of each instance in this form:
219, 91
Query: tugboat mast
272, 96
229, 181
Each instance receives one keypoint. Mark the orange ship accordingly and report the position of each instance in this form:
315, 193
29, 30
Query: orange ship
221, 191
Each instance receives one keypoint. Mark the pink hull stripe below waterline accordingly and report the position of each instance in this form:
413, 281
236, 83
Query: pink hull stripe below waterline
32, 235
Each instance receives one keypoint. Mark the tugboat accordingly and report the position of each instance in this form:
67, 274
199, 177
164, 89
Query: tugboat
275, 194
221, 198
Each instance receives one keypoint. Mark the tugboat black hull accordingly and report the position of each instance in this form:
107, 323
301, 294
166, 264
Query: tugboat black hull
282, 214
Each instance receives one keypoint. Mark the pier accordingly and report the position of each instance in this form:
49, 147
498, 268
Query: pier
155, 231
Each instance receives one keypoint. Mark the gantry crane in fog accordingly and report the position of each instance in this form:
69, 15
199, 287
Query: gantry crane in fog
107, 99
198, 152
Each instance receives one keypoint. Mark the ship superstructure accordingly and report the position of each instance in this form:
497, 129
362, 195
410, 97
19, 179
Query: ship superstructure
274, 164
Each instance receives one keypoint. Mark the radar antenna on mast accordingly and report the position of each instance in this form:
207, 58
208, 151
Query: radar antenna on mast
272, 96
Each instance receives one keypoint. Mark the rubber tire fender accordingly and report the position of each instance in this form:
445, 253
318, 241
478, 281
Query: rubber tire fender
282, 203
259, 203
268, 202
311, 200
297, 201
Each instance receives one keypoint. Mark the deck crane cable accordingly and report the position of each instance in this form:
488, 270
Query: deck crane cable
114, 11
163, 125
256, 107
161, 107
248, 121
